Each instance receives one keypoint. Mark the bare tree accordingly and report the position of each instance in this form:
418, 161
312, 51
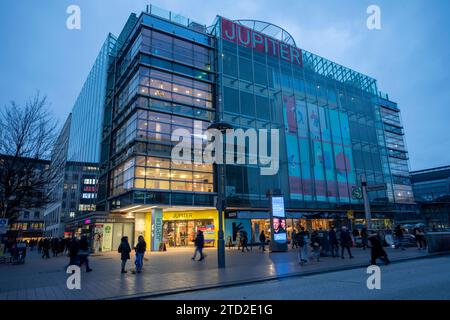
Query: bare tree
27, 136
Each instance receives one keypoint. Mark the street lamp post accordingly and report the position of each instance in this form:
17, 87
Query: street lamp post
366, 202
221, 178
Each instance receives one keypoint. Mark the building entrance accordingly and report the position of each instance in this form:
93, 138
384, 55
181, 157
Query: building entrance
182, 233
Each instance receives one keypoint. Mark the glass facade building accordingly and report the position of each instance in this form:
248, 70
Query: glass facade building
170, 73
87, 112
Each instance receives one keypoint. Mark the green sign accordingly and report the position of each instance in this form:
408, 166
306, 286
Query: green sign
357, 193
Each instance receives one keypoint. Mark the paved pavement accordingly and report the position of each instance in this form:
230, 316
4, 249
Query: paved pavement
164, 272
410, 280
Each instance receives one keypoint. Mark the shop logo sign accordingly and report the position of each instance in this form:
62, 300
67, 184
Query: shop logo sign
246, 37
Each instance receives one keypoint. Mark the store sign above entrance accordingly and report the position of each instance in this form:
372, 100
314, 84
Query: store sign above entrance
246, 37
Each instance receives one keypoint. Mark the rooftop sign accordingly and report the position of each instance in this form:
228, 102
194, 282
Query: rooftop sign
237, 33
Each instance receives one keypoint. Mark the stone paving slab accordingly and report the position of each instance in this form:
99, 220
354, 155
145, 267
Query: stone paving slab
166, 272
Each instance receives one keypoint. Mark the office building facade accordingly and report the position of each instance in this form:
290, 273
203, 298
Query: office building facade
172, 73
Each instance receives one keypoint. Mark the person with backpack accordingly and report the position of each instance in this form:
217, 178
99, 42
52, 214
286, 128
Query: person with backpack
262, 241
199, 243
124, 250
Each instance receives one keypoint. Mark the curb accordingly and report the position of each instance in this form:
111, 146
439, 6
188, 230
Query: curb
264, 279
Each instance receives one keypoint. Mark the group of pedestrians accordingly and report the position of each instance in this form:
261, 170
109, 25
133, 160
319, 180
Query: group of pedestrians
56, 246
125, 250
78, 252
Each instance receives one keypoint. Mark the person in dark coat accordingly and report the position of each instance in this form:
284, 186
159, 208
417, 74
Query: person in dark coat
83, 253
398, 232
199, 243
346, 242
124, 250
140, 251
244, 240
74, 247
377, 250
332, 238
46, 249
262, 240
364, 237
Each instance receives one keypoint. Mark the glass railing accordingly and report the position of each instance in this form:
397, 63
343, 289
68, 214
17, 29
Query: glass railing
176, 18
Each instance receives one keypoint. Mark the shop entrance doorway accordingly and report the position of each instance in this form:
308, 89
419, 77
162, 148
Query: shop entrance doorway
181, 233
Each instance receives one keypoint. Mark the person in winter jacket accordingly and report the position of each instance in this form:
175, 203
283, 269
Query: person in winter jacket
199, 243
377, 250
346, 242
124, 250
140, 251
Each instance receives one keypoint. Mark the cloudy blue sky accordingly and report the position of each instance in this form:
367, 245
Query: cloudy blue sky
409, 56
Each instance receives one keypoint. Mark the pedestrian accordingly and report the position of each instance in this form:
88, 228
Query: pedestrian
124, 250
199, 243
262, 241
334, 244
364, 237
40, 245
303, 242
229, 242
55, 247
140, 252
244, 240
239, 239
315, 245
83, 253
46, 249
398, 232
294, 237
376, 249
346, 242
74, 247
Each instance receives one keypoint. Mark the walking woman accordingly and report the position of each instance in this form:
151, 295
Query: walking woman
124, 250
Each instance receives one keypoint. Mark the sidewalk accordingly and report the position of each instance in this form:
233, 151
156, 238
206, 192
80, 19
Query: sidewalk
166, 272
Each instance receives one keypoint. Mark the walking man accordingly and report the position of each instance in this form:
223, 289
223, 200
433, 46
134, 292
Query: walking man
199, 243
346, 242
377, 250
332, 237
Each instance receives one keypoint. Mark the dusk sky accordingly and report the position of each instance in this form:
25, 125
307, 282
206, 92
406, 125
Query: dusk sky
409, 56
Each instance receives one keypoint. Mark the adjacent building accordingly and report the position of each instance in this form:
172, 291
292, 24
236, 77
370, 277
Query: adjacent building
77, 152
432, 194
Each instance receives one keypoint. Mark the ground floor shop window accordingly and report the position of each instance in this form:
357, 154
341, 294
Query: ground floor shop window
183, 233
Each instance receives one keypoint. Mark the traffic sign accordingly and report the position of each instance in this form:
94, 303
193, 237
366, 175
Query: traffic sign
357, 193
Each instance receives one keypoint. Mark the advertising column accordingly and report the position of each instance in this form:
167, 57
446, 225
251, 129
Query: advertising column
278, 241
157, 229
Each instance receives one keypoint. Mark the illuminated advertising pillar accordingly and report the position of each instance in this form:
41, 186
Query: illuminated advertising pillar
278, 235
